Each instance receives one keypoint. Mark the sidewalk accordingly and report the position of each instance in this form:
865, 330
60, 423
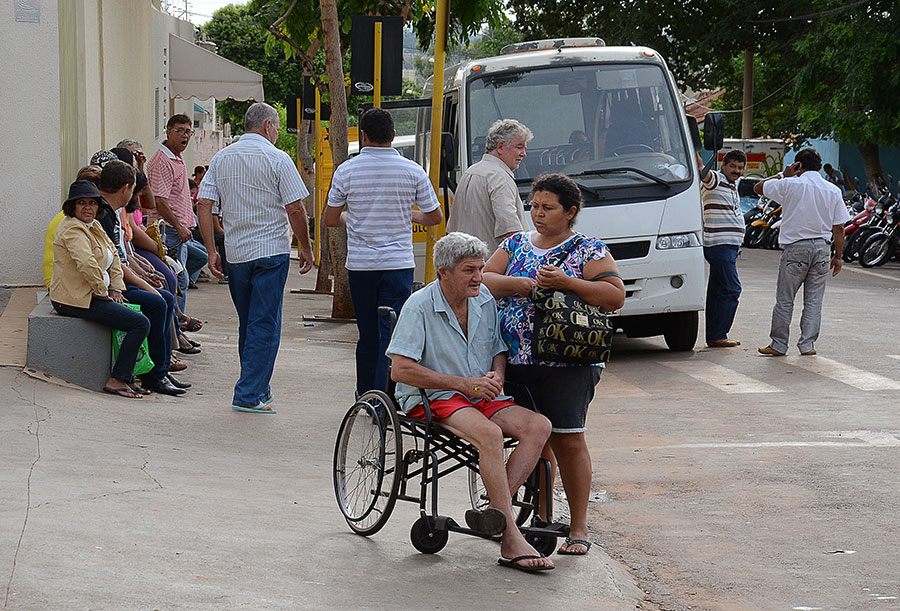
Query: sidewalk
181, 503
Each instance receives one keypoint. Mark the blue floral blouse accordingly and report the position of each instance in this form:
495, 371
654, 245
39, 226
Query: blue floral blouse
516, 311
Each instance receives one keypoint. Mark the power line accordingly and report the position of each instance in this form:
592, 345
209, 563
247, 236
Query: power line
825, 13
751, 105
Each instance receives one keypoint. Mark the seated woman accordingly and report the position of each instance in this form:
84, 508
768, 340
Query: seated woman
555, 257
87, 282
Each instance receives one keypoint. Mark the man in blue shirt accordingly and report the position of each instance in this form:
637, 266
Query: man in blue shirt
447, 341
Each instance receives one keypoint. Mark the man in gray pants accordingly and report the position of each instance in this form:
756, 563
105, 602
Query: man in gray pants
814, 213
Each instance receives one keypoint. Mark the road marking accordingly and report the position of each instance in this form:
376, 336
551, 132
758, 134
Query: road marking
880, 439
862, 439
894, 356
616, 387
726, 380
846, 374
869, 273
765, 444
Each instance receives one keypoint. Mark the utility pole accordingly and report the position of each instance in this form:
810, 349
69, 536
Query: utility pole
747, 114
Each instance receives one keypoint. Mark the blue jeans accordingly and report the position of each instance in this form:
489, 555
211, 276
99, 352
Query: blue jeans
115, 316
159, 310
173, 243
722, 291
196, 259
257, 290
369, 290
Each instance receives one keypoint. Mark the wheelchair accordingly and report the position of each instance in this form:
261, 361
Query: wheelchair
382, 456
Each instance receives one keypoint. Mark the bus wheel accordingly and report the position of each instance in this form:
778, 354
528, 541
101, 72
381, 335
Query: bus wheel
681, 331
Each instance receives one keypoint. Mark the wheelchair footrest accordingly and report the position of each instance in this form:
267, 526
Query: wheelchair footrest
544, 531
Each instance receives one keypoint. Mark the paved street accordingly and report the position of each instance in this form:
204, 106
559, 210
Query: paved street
734, 478
177, 504
723, 480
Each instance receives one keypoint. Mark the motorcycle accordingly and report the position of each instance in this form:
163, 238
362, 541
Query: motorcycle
760, 227
875, 224
880, 246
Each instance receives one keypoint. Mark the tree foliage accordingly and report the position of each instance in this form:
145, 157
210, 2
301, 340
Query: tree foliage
822, 67
849, 78
698, 39
241, 38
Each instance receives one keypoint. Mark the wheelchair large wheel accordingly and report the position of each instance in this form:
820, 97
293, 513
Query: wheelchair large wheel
367, 458
523, 500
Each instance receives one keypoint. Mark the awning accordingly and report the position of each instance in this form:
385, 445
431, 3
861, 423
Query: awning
197, 73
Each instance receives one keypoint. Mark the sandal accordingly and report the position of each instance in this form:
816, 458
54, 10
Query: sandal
564, 550
128, 393
139, 390
191, 324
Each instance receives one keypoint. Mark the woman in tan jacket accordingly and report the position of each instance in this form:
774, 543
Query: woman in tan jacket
87, 282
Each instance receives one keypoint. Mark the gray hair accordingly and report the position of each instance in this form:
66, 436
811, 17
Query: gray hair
451, 249
257, 115
124, 144
505, 131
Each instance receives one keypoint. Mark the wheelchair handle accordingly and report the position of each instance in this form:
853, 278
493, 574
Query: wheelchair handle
388, 311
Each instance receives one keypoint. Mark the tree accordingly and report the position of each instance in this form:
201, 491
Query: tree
825, 67
299, 29
849, 83
242, 39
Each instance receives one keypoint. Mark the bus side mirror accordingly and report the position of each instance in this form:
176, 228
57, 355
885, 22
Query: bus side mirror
713, 131
695, 132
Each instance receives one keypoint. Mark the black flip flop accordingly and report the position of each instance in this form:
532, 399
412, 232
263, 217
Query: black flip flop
513, 563
490, 521
586, 544
122, 392
138, 389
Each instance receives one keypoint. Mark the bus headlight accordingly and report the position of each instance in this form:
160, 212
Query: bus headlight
677, 240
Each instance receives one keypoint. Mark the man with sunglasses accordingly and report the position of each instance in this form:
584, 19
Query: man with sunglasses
168, 177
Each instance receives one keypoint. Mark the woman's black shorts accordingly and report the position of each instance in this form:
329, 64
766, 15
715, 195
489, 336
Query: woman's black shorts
562, 394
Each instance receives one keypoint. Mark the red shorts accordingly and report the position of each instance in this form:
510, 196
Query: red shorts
442, 408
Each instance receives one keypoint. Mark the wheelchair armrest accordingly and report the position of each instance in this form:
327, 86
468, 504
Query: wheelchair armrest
426, 405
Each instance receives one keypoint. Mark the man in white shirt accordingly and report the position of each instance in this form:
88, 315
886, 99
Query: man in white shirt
814, 214
487, 204
260, 194
373, 194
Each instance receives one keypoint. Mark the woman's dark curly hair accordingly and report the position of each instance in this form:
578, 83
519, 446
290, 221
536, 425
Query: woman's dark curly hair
564, 188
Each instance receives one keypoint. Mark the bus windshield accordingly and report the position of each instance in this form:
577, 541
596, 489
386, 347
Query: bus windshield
606, 125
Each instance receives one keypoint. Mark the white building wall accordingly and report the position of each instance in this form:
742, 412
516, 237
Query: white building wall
29, 148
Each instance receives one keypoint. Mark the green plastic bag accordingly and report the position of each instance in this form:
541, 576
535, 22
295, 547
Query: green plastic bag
143, 364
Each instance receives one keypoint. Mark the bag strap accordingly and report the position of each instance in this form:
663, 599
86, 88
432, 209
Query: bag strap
605, 275
561, 258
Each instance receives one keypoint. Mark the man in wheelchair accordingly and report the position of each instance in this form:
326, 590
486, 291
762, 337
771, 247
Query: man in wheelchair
447, 341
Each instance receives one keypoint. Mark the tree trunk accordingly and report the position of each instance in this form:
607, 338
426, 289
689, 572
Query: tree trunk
871, 157
341, 307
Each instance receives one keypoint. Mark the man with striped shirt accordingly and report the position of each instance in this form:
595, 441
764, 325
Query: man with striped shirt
260, 194
723, 232
373, 195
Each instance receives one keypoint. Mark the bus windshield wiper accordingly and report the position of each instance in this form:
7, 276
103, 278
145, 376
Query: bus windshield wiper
623, 170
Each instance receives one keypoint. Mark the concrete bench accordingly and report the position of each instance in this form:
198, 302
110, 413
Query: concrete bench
71, 349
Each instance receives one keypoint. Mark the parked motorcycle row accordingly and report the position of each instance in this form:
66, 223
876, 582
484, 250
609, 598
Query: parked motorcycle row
871, 237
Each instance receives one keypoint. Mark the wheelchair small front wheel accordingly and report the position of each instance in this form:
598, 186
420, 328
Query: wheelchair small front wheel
426, 538
366, 461
544, 544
